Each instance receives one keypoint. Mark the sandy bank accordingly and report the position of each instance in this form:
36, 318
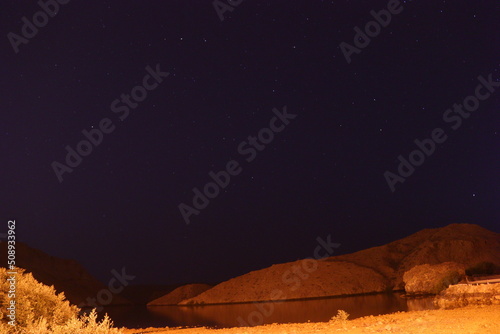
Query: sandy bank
471, 319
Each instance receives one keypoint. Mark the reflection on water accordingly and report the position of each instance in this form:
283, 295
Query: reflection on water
420, 304
263, 313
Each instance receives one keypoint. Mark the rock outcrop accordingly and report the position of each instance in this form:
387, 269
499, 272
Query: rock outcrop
181, 293
461, 295
375, 269
432, 279
66, 276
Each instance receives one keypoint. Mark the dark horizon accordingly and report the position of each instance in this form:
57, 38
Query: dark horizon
337, 251
427, 82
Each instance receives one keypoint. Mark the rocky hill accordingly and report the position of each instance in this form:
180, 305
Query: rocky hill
375, 269
66, 276
181, 293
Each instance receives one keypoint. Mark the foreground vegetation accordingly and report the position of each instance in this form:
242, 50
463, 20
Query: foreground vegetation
39, 310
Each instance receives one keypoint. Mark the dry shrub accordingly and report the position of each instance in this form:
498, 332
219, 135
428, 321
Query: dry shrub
340, 317
39, 310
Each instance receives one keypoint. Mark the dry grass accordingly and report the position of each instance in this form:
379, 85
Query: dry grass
467, 320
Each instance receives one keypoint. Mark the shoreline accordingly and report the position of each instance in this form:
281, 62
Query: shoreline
400, 293
471, 319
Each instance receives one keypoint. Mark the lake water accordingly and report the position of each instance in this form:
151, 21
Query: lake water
234, 315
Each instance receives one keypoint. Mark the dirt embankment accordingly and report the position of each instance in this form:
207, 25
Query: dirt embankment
462, 295
375, 269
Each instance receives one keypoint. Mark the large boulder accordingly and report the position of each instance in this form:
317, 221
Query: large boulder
431, 279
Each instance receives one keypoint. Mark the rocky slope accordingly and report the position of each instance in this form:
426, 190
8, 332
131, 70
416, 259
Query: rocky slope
66, 276
375, 269
181, 293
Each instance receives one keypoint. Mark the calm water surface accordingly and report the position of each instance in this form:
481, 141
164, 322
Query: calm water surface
263, 313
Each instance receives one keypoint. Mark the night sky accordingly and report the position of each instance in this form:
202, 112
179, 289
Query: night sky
323, 173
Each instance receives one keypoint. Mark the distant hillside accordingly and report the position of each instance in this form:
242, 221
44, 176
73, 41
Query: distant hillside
66, 276
375, 269
141, 294
181, 293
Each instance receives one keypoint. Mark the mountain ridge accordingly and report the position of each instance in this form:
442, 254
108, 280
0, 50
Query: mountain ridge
376, 269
